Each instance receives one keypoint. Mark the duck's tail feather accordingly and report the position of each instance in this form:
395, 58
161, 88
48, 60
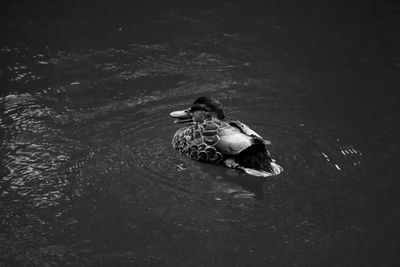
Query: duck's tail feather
254, 172
257, 160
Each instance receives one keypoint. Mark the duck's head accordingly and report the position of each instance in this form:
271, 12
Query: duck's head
203, 108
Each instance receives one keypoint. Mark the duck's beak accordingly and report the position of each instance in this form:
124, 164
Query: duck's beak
181, 116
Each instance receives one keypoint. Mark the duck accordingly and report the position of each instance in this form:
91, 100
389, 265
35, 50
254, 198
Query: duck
209, 137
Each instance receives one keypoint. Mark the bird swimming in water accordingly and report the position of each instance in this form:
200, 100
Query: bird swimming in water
210, 138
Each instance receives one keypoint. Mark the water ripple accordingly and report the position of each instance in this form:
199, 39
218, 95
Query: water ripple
93, 148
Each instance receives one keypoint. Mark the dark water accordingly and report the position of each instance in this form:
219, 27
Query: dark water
88, 173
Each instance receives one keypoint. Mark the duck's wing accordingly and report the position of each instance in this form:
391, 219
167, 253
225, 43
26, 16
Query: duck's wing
233, 143
246, 130
231, 140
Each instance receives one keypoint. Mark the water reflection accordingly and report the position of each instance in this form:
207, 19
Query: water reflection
31, 154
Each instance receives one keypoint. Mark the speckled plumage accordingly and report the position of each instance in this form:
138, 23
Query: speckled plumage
209, 138
214, 140
198, 141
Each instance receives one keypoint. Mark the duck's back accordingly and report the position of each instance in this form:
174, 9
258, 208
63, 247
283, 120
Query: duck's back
211, 141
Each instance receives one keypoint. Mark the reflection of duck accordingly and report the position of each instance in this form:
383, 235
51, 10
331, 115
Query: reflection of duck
210, 139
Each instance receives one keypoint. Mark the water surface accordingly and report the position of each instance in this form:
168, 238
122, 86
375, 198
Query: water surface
88, 173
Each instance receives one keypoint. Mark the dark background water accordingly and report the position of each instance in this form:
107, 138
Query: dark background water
88, 174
